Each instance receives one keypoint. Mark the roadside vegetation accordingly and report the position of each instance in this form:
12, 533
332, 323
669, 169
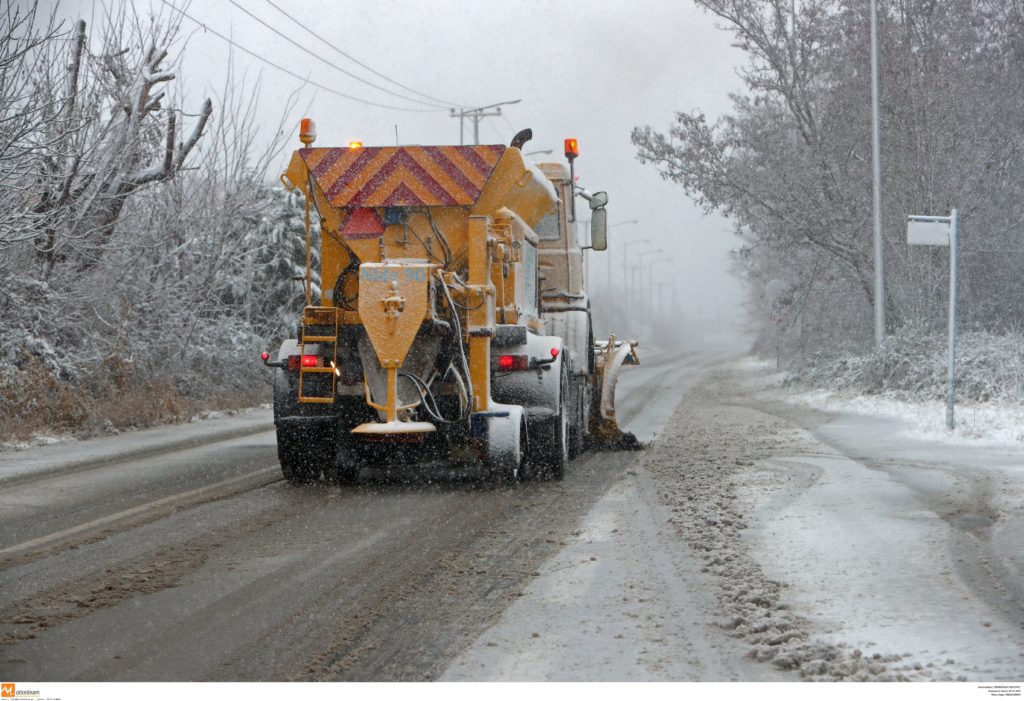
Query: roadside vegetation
791, 167
144, 261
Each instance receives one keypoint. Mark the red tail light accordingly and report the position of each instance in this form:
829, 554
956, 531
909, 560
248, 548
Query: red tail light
264, 356
306, 361
508, 363
554, 352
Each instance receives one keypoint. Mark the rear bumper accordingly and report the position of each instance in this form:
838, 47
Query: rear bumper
305, 421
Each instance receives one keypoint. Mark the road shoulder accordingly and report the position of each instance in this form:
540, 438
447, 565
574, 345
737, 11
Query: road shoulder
823, 565
19, 464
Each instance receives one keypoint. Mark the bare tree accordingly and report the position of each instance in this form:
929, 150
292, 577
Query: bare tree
791, 164
102, 133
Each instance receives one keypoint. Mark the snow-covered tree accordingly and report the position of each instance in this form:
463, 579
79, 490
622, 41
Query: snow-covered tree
791, 165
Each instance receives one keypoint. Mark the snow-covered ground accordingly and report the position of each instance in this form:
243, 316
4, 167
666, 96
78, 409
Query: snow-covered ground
976, 424
920, 529
988, 423
66, 453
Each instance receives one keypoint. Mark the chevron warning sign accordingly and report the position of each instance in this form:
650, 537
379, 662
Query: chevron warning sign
402, 176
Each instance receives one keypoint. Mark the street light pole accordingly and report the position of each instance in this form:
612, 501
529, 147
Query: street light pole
608, 305
877, 182
640, 261
661, 285
625, 270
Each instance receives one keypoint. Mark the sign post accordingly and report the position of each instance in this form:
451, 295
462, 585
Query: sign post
942, 231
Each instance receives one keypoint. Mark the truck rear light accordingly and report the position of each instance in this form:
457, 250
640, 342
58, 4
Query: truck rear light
508, 363
264, 356
554, 352
306, 361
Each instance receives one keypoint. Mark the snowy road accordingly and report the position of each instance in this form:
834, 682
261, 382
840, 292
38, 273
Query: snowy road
754, 540
199, 563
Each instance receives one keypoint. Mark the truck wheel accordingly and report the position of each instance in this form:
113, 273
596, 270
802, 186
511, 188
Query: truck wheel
559, 455
303, 454
579, 424
556, 453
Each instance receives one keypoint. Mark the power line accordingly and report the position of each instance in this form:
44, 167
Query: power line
509, 123
331, 64
357, 61
501, 138
289, 72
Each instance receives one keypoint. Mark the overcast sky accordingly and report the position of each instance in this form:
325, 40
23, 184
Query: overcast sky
592, 70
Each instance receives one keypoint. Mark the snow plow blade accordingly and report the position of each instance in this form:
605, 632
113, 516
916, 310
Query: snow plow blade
611, 355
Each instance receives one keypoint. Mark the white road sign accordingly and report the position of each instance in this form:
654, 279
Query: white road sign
928, 232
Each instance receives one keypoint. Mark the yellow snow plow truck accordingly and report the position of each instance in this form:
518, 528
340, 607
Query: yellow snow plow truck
453, 323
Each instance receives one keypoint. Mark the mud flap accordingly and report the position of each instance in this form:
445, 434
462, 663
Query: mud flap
499, 436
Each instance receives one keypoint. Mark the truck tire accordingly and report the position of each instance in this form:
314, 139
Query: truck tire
559, 456
553, 448
304, 453
578, 427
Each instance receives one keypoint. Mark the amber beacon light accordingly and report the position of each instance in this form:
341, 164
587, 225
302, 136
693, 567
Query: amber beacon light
572, 149
307, 131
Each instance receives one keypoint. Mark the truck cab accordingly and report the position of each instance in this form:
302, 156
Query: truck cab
564, 302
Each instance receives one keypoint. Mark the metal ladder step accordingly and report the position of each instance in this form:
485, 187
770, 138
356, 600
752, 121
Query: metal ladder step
316, 316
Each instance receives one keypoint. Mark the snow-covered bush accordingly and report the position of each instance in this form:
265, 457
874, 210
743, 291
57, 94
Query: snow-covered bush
913, 366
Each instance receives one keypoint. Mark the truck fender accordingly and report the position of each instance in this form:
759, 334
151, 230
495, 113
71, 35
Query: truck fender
536, 390
500, 435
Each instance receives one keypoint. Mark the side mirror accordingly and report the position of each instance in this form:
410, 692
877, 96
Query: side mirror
598, 200
599, 228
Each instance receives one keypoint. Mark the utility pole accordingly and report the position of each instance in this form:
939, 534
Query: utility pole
877, 188
475, 115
